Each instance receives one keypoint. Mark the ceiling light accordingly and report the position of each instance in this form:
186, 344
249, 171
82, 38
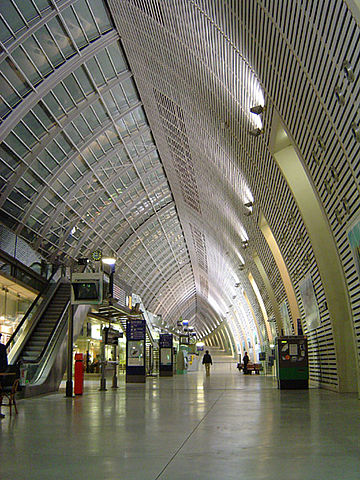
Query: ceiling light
109, 260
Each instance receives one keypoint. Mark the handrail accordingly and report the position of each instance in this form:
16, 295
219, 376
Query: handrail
29, 310
15, 263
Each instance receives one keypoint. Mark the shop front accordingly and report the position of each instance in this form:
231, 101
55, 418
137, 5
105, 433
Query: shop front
15, 300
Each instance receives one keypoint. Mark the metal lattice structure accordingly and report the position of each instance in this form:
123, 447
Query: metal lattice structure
127, 126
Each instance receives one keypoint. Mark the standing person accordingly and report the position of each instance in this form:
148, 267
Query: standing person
245, 362
207, 361
3, 356
3, 362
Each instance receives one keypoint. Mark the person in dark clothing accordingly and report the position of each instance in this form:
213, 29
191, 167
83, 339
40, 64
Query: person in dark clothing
3, 363
207, 361
3, 357
245, 362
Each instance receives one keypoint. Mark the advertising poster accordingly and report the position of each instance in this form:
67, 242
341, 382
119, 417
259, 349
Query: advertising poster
135, 353
135, 336
354, 240
285, 318
165, 357
312, 316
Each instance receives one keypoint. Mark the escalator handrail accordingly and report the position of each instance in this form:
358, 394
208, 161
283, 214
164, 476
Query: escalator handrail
30, 309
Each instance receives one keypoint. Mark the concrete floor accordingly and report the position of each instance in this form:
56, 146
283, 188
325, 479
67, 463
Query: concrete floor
228, 426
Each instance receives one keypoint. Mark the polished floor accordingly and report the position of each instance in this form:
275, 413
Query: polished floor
227, 426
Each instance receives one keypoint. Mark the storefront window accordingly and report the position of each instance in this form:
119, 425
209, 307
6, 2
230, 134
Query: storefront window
14, 302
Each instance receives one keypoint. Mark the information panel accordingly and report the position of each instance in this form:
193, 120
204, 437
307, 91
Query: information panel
166, 356
166, 340
135, 350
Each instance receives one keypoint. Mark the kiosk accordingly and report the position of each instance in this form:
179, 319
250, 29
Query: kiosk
135, 351
292, 367
166, 356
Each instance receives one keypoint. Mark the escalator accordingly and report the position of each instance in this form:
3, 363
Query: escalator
39, 343
46, 324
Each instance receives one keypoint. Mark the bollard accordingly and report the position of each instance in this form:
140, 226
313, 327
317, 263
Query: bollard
79, 374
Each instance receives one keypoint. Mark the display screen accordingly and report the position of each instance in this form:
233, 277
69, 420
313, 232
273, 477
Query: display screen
86, 290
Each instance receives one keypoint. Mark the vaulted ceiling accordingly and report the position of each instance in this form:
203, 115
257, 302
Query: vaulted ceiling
127, 127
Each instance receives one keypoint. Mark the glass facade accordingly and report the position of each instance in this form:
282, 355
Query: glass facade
79, 168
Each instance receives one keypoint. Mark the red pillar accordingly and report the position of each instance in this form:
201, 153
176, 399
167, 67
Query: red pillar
79, 374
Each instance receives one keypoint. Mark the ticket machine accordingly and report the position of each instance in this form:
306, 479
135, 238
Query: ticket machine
292, 362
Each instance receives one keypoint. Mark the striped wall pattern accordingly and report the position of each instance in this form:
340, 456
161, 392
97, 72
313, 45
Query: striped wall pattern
302, 53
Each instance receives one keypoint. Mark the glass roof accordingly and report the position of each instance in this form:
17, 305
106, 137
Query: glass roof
79, 168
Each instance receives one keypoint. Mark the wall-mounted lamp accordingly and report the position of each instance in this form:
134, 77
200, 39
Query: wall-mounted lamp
349, 72
340, 95
258, 109
356, 131
256, 132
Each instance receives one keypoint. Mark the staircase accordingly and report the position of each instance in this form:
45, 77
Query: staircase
41, 334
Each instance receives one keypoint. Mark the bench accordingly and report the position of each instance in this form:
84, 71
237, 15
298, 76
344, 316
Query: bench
251, 367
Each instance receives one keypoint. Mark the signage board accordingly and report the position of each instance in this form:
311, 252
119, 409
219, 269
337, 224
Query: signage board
166, 354
165, 340
135, 350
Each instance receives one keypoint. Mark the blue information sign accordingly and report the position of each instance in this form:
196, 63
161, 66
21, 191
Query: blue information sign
135, 350
135, 329
166, 340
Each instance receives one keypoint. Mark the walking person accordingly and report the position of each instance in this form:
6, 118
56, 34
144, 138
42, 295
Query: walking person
245, 362
207, 361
